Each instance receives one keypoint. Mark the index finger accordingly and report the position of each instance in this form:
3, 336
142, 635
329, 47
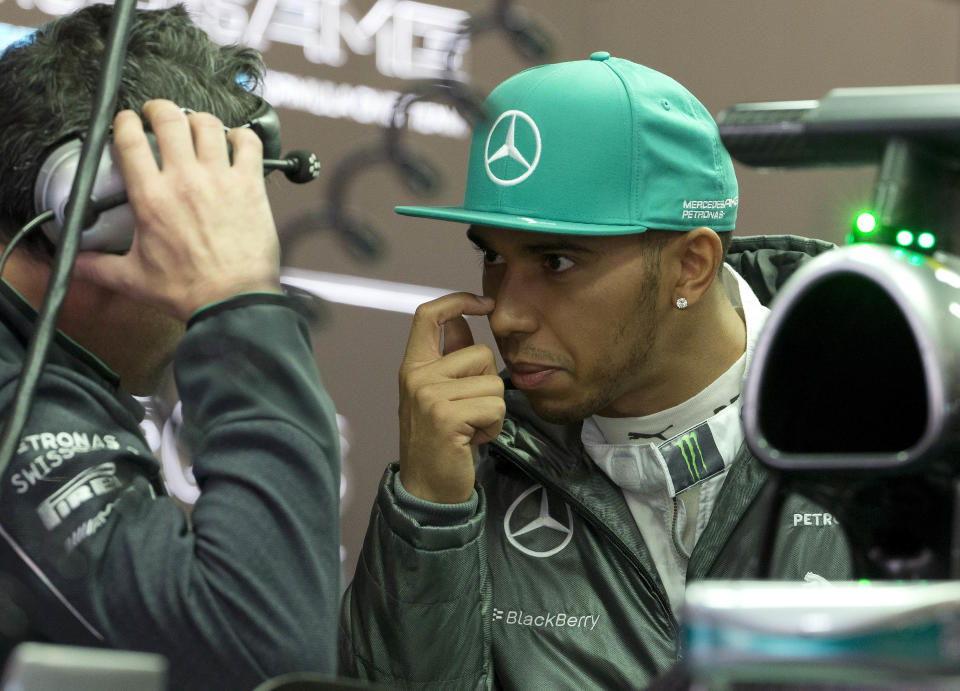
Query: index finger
133, 152
425, 332
174, 137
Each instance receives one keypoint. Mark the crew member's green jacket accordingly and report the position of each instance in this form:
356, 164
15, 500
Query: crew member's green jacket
575, 606
91, 551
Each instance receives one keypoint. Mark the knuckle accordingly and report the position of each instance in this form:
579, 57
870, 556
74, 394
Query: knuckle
126, 140
127, 134
187, 189
164, 113
408, 378
417, 395
245, 137
484, 351
438, 410
424, 398
205, 121
431, 309
160, 104
423, 313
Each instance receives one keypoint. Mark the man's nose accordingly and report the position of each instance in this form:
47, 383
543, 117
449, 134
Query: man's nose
516, 311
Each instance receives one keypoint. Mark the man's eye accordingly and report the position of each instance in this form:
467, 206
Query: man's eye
557, 262
491, 257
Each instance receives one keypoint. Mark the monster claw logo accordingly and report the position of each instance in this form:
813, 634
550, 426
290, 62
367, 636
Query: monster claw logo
692, 457
690, 448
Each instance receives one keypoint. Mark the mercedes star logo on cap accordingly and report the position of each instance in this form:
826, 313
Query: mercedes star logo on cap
509, 148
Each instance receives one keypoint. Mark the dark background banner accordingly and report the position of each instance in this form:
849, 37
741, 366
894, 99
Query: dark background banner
336, 68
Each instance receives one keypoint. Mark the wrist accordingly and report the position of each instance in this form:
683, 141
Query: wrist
202, 299
443, 492
240, 300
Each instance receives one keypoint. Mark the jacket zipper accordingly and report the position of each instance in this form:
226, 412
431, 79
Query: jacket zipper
673, 528
511, 457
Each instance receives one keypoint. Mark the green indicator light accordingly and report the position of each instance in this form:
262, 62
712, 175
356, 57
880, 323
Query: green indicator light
904, 238
866, 222
926, 240
916, 259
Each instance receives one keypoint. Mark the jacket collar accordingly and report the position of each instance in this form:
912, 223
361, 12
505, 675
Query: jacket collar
767, 261
554, 456
19, 317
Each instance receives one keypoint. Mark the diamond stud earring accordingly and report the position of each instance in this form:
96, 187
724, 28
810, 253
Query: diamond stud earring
681, 303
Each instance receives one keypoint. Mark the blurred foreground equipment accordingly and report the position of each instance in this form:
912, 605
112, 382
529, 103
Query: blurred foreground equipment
852, 394
849, 636
852, 399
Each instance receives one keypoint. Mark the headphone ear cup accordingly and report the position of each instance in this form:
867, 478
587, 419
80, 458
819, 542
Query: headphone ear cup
112, 229
266, 123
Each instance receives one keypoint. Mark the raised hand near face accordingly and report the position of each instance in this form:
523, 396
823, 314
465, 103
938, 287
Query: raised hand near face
450, 401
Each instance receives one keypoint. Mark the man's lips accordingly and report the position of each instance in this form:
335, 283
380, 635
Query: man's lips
527, 375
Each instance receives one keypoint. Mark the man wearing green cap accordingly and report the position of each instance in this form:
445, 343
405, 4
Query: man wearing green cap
540, 527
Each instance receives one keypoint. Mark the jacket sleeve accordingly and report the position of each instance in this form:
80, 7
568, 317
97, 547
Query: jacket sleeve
417, 613
247, 587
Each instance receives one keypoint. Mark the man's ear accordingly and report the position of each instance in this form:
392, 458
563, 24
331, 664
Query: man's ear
697, 254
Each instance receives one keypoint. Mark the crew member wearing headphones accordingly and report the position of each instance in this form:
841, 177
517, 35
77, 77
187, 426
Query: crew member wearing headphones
92, 552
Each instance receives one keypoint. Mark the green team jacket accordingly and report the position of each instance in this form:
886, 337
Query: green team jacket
549, 584
92, 553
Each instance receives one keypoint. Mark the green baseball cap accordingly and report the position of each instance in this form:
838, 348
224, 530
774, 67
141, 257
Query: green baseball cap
595, 147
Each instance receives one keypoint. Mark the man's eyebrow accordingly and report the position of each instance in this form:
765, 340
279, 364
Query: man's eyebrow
557, 246
552, 245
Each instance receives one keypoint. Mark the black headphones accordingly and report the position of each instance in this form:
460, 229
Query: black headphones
109, 223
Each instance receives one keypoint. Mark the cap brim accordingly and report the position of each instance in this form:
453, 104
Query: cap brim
500, 220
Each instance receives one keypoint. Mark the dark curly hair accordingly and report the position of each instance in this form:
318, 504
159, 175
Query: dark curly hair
47, 84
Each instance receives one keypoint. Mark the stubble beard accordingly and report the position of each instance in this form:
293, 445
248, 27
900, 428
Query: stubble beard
605, 383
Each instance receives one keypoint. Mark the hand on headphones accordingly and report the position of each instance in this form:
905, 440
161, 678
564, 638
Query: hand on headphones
203, 228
